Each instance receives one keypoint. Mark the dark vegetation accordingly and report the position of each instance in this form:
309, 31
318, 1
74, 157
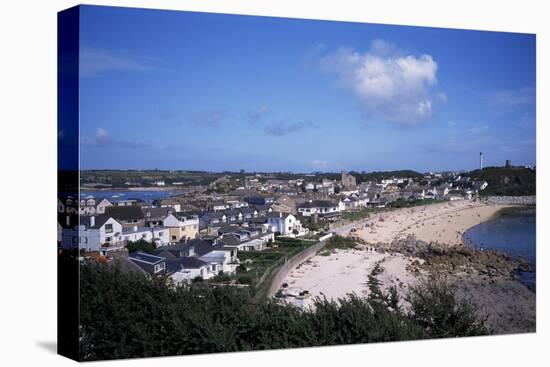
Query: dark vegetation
512, 181
257, 266
126, 316
400, 203
140, 245
378, 176
119, 178
337, 243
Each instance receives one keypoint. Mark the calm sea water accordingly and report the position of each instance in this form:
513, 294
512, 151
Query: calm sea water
146, 196
512, 233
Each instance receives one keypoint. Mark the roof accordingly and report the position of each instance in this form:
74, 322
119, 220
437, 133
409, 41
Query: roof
124, 212
235, 212
144, 257
262, 207
229, 229
278, 215
199, 246
126, 266
318, 204
161, 212
173, 265
246, 210
99, 220
230, 239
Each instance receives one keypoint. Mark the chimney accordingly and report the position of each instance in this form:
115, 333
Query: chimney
280, 214
92, 221
135, 228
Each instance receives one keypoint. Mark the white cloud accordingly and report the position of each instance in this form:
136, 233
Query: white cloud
97, 61
318, 163
282, 128
209, 118
390, 85
478, 129
443, 97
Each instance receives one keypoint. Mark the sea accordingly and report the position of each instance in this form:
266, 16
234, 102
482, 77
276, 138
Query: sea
146, 196
513, 233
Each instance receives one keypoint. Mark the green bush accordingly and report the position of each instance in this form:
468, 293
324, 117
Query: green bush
128, 315
437, 309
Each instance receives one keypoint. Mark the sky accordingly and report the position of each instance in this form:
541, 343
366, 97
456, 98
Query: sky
199, 91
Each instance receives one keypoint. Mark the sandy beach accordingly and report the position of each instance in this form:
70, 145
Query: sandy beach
346, 271
444, 223
508, 303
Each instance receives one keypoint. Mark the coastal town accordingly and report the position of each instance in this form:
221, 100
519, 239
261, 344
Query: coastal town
268, 233
207, 231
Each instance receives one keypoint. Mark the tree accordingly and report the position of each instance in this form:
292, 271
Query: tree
140, 245
125, 315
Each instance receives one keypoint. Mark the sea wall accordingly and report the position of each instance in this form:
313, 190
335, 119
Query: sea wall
294, 262
511, 200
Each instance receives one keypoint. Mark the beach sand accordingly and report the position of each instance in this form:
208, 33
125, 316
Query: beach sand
346, 271
444, 223
508, 304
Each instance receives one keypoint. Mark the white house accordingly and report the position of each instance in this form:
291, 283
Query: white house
159, 235
285, 223
94, 233
225, 259
185, 269
318, 207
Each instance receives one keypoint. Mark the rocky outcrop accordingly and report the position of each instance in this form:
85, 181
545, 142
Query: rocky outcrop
451, 259
510, 200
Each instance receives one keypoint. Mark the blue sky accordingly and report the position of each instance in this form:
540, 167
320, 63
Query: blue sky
199, 91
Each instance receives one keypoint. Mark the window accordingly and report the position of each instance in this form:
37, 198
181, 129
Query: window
144, 235
109, 228
107, 239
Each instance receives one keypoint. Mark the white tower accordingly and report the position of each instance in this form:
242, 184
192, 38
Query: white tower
480, 160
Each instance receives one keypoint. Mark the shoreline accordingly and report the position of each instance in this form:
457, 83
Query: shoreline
485, 277
130, 189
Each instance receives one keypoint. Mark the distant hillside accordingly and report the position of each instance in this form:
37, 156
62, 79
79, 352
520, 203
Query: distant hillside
513, 181
377, 176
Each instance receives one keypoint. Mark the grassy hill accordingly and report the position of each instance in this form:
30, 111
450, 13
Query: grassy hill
377, 176
514, 181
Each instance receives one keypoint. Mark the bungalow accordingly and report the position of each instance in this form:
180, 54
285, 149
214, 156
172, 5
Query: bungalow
153, 265
185, 269
181, 226
355, 201
246, 238
208, 259
318, 207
